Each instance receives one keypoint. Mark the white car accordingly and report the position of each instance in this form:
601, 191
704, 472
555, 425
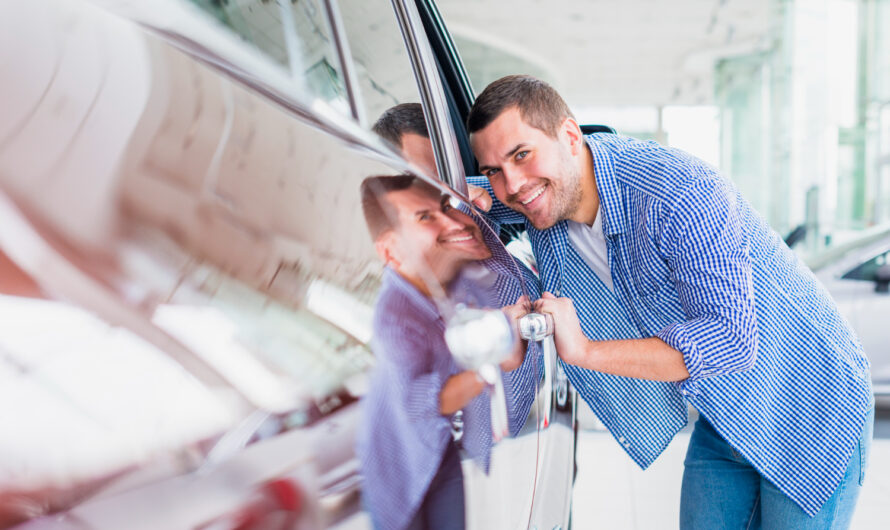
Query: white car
858, 280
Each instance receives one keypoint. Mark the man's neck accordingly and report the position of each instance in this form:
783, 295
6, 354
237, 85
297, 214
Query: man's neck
590, 199
432, 281
418, 284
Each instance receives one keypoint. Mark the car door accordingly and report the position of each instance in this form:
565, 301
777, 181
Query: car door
380, 44
202, 191
555, 402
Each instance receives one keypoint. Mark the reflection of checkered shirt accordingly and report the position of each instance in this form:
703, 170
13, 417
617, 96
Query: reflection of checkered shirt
772, 364
402, 436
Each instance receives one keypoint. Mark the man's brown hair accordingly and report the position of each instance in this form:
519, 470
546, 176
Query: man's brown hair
539, 104
377, 209
399, 120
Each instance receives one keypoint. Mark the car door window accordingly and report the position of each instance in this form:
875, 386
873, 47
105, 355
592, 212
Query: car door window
382, 65
296, 35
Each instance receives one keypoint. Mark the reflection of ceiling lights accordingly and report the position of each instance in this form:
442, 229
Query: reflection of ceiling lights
209, 333
341, 309
63, 363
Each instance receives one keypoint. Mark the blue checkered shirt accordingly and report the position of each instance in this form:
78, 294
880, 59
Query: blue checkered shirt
772, 364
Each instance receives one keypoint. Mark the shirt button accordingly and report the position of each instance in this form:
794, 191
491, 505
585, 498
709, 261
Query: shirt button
622, 440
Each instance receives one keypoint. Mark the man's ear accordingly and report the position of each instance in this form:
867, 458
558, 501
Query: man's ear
387, 248
574, 135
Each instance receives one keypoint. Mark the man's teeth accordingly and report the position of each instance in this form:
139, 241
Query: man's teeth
535, 196
460, 239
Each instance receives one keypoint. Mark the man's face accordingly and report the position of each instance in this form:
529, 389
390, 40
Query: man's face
433, 235
418, 150
529, 171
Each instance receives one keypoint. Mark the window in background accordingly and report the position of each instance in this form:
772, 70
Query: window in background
636, 121
694, 129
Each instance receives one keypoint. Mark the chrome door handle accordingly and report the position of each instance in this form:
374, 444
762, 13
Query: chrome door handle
538, 327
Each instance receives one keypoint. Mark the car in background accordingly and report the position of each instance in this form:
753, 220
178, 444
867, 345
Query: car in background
858, 278
179, 181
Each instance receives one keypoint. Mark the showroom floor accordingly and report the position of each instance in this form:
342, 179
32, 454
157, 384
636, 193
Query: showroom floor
612, 492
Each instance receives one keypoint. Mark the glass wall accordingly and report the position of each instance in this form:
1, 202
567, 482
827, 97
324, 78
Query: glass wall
804, 124
801, 125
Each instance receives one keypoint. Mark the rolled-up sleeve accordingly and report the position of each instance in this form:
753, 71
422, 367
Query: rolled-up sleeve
708, 254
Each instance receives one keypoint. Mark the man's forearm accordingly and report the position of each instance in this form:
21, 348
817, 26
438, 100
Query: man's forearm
459, 390
650, 359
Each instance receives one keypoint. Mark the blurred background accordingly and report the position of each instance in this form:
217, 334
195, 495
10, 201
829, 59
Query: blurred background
789, 98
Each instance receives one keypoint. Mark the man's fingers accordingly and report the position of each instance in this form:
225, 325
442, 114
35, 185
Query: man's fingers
545, 305
479, 197
548, 296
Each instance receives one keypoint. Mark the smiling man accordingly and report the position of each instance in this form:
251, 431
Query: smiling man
671, 289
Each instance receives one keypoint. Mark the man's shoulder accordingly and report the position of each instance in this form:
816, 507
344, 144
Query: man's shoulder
398, 307
650, 168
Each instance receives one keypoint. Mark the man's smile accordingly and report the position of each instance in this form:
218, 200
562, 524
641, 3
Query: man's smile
459, 237
534, 195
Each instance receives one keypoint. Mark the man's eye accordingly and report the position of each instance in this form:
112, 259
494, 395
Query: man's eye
521, 154
423, 217
491, 172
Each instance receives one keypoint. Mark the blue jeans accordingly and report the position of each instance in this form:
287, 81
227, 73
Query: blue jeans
721, 490
443, 505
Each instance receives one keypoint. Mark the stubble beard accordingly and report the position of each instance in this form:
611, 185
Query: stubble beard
566, 198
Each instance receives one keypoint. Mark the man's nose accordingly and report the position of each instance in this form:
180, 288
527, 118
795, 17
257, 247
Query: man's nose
514, 180
455, 219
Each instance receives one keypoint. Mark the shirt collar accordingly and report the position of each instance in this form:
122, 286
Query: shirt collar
608, 187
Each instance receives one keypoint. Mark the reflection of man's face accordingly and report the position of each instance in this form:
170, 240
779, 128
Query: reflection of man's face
432, 235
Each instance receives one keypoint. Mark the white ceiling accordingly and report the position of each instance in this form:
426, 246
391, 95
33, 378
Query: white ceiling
610, 52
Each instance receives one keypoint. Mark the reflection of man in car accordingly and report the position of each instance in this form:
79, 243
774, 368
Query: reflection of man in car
682, 293
411, 465
404, 127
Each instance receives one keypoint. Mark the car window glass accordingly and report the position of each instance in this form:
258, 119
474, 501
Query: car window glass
868, 271
296, 35
378, 50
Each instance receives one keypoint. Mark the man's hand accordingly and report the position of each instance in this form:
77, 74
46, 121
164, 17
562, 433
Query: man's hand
479, 197
649, 358
514, 312
571, 343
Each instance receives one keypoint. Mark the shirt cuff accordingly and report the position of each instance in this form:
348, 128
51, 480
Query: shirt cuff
676, 337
